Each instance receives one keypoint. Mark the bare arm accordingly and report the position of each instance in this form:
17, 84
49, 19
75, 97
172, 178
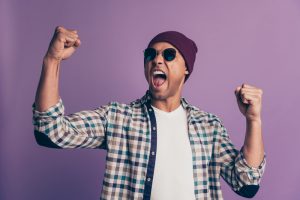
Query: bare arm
62, 46
249, 101
253, 145
47, 93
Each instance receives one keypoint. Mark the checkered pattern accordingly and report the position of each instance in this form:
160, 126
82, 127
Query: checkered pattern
124, 130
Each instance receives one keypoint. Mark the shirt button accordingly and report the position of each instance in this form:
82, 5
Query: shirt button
152, 153
148, 179
154, 128
150, 109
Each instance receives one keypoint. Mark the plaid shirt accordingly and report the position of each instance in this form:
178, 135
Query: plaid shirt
128, 133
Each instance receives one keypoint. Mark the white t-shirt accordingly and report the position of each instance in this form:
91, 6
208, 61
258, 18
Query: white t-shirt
173, 173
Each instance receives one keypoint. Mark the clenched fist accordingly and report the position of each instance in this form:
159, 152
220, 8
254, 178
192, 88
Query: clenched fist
63, 44
249, 99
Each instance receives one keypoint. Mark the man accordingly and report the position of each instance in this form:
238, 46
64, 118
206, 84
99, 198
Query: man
159, 146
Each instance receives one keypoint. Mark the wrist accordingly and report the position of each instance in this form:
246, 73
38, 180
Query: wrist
253, 119
50, 66
49, 59
256, 121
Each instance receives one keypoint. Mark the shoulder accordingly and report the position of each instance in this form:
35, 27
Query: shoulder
204, 116
115, 107
199, 115
209, 122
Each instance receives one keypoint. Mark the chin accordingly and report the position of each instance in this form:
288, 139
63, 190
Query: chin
158, 95
162, 94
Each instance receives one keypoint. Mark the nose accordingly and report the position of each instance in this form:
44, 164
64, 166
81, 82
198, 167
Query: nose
159, 59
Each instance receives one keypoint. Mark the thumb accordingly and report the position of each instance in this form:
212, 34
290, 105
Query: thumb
71, 48
237, 91
68, 52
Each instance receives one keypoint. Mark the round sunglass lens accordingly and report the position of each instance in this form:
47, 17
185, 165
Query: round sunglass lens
169, 54
149, 54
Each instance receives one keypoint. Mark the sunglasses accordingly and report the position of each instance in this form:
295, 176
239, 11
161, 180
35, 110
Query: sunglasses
150, 53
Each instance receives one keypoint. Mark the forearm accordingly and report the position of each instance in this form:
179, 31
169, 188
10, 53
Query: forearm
253, 145
47, 93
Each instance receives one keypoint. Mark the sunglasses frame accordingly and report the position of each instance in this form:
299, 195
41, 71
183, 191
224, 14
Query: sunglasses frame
163, 54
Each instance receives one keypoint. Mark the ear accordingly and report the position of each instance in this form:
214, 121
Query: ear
186, 71
145, 73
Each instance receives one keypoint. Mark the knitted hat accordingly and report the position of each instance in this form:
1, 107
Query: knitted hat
185, 46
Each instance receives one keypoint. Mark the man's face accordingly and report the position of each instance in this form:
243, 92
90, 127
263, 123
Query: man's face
165, 78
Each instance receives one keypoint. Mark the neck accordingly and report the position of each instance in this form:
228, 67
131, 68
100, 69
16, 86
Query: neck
167, 105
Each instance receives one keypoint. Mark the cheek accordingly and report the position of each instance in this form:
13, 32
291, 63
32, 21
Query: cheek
146, 73
177, 72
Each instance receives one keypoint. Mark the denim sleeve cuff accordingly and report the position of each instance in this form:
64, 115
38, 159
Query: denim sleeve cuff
249, 175
52, 112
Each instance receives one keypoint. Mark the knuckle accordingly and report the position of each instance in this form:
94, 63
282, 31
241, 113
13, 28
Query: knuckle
70, 31
75, 36
58, 28
60, 37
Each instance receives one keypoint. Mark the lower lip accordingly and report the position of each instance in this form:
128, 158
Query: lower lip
157, 86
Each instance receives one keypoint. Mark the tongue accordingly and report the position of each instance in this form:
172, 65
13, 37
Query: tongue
158, 81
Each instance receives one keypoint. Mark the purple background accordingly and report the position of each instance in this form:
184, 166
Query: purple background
255, 41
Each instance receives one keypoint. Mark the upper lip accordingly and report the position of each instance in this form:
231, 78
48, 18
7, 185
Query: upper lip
157, 69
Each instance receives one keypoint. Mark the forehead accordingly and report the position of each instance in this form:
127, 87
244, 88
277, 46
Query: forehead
162, 45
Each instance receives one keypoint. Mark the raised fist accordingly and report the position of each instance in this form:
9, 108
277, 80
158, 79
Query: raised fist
249, 99
63, 44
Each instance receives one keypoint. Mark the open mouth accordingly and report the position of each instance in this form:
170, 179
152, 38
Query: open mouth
158, 78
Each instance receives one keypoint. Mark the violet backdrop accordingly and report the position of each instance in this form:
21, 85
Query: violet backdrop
255, 42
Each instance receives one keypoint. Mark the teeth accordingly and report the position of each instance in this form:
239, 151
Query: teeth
158, 72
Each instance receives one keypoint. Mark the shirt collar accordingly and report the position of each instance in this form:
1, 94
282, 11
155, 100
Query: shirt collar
146, 99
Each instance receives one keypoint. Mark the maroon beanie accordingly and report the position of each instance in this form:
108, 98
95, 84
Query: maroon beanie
185, 46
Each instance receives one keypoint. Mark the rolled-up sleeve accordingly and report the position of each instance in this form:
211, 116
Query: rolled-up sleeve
249, 175
235, 170
84, 129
